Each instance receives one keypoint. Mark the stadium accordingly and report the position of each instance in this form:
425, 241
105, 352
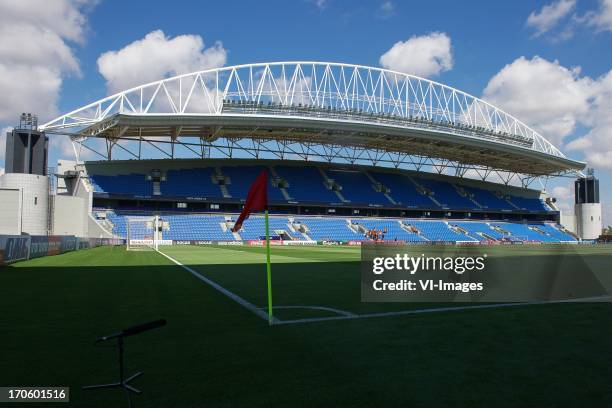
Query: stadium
342, 142
356, 156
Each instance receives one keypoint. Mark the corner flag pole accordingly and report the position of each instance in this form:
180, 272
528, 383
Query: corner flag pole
268, 270
257, 200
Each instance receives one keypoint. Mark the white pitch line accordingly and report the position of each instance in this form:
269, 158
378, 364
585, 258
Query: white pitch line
244, 303
348, 315
441, 309
324, 308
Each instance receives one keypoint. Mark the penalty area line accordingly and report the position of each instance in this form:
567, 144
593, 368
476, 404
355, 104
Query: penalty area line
242, 302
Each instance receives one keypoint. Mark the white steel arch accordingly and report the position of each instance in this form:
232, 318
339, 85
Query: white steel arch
322, 86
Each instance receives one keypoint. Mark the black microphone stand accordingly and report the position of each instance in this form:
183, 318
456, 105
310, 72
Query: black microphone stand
123, 382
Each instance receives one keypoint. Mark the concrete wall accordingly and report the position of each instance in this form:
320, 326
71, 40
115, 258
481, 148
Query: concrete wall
62, 167
588, 220
10, 211
568, 220
78, 198
95, 230
70, 216
34, 200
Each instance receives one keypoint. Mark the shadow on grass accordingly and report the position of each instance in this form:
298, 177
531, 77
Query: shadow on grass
215, 353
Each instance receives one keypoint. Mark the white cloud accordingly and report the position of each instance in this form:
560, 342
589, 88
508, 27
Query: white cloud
554, 100
564, 196
3, 133
157, 56
545, 95
550, 15
601, 19
606, 214
597, 143
386, 9
65, 18
425, 56
35, 54
321, 4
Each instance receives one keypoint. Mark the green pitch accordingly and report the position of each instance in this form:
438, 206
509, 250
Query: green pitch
215, 352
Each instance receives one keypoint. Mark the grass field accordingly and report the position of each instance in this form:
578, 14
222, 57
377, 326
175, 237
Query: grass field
214, 352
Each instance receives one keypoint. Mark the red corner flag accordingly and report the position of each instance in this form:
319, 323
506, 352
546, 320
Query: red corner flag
257, 199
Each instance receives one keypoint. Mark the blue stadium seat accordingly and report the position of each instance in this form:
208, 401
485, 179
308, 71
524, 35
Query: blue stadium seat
330, 229
254, 228
190, 183
357, 187
475, 229
182, 227
438, 231
133, 184
306, 184
529, 204
197, 227
209, 227
446, 194
554, 232
242, 177
403, 190
522, 232
394, 230
487, 199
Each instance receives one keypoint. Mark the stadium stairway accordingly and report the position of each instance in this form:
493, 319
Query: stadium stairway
219, 179
254, 229
445, 195
198, 182
425, 192
357, 187
480, 231
466, 194
381, 188
329, 229
278, 181
438, 231
331, 185
403, 190
394, 229
305, 184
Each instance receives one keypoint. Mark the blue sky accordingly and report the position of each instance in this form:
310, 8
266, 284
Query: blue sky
486, 41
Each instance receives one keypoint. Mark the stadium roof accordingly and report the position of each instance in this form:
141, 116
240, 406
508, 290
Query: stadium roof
302, 109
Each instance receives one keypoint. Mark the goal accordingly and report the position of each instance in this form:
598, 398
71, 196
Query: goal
140, 234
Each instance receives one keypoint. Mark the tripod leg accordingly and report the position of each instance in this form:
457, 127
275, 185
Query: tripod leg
95, 387
130, 388
129, 398
127, 380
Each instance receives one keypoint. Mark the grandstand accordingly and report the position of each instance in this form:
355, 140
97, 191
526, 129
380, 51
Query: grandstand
217, 228
344, 158
324, 184
313, 196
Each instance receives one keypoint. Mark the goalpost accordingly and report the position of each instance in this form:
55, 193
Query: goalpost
142, 233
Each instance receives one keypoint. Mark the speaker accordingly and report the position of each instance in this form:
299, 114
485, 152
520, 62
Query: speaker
26, 152
586, 190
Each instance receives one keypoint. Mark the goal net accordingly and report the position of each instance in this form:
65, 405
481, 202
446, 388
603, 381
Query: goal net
140, 234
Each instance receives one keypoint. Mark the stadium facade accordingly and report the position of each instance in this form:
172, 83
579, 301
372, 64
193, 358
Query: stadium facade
355, 153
